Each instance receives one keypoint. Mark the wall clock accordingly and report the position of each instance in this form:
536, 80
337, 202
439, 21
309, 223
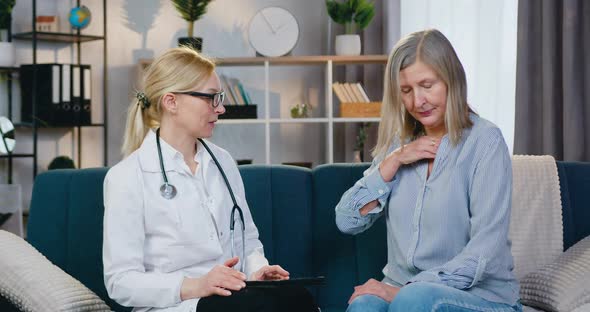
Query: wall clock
273, 31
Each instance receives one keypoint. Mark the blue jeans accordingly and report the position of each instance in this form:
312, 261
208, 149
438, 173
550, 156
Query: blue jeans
430, 297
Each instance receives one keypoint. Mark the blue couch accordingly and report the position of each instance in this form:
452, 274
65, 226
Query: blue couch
293, 208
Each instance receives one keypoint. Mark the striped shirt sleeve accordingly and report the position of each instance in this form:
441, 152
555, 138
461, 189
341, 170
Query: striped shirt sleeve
369, 188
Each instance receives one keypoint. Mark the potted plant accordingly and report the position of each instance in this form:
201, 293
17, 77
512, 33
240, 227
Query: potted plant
191, 11
7, 54
359, 146
352, 14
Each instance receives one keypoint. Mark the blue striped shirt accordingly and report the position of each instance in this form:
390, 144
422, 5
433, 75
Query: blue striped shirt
451, 227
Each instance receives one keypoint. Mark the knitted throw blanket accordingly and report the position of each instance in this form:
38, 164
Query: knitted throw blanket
536, 225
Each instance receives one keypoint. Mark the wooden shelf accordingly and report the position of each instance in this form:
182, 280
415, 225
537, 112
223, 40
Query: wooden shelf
240, 121
9, 69
299, 120
17, 156
56, 37
360, 119
30, 125
296, 120
294, 60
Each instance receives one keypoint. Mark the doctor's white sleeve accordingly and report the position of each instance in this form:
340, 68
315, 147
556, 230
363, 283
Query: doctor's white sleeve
125, 276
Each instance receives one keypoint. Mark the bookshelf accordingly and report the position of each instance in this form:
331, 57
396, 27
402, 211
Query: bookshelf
328, 62
76, 39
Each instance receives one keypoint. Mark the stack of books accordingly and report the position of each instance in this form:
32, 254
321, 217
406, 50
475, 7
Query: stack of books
235, 93
350, 92
238, 104
354, 101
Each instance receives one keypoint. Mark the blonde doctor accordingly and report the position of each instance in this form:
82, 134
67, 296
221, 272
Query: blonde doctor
167, 207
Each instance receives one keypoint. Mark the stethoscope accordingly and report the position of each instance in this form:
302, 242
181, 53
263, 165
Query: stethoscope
168, 191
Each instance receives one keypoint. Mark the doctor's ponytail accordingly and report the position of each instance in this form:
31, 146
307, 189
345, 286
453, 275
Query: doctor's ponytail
177, 70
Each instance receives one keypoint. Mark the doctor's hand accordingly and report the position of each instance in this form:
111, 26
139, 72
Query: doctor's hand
221, 280
376, 288
270, 273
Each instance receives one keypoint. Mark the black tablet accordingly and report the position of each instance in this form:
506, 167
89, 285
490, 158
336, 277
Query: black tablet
297, 281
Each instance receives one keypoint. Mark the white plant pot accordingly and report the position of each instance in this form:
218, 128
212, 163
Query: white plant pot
7, 54
348, 45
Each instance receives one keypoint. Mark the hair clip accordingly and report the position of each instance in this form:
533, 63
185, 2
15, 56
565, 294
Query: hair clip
143, 100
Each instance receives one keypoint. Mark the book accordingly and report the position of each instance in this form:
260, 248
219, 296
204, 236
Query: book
357, 93
244, 93
237, 94
350, 92
339, 93
229, 93
363, 93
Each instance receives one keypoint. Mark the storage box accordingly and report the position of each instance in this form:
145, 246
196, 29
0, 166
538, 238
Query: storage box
369, 109
239, 112
47, 23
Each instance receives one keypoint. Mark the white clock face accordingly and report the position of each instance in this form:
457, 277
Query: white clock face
273, 31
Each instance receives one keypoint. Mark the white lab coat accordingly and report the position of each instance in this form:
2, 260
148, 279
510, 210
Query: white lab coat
151, 243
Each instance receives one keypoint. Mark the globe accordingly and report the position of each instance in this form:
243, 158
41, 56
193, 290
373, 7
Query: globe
79, 17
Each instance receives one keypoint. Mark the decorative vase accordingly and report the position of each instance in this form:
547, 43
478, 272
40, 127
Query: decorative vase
348, 45
7, 54
195, 43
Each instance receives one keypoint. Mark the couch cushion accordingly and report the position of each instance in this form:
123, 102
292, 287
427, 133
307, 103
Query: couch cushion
561, 285
32, 283
345, 260
574, 180
280, 201
65, 224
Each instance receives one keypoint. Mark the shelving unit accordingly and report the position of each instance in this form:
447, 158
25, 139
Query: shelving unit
10, 73
328, 61
69, 38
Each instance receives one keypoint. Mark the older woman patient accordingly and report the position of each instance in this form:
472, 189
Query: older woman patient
442, 178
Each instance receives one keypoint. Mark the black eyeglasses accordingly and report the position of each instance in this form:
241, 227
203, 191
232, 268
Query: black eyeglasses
216, 98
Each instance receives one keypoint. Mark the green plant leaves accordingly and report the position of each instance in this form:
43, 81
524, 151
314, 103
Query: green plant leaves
190, 10
5, 11
364, 15
360, 12
339, 12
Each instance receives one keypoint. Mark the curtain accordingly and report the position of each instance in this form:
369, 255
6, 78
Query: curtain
553, 79
483, 34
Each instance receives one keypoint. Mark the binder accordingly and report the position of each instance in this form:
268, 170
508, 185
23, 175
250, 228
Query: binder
298, 281
47, 91
76, 94
64, 111
86, 91
63, 94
